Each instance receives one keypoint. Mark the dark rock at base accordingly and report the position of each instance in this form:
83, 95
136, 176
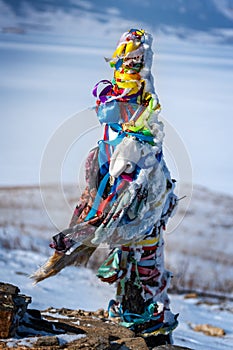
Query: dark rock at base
160, 339
54, 329
8, 288
47, 341
129, 343
12, 309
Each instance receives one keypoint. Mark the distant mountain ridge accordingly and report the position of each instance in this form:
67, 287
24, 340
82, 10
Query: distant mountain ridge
188, 15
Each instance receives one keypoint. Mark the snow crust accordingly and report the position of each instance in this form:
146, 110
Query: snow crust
79, 287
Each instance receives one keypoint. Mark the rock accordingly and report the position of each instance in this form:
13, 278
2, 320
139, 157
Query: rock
47, 341
12, 309
99, 313
191, 295
209, 330
130, 344
54, 329
8, 289
6, 318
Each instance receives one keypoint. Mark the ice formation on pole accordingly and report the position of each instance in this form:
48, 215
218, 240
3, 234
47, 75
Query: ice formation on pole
129, 195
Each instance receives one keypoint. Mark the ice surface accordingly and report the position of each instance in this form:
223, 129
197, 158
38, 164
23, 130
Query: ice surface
43, 83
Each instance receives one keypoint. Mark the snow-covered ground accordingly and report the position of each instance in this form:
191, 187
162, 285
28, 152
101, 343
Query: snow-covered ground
79, 288
199, 251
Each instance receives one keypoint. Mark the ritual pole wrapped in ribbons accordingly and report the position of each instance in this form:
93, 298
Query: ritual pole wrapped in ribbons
129, 195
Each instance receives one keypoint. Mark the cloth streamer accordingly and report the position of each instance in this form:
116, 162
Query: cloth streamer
129, 195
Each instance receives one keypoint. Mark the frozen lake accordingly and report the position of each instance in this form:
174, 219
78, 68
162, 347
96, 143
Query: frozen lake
44, 82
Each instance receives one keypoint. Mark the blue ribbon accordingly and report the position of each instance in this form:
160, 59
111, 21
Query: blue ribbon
98, 197
104, 162
139, 136
133, 319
